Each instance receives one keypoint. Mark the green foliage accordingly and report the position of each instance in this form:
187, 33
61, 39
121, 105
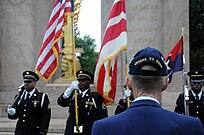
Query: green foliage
196, 33
89, 57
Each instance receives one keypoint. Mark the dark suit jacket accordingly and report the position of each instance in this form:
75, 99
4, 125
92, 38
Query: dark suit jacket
90, 108
33, 118
147, 117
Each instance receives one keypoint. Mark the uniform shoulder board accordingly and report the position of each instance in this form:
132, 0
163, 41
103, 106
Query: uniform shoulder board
41, 91
96, 93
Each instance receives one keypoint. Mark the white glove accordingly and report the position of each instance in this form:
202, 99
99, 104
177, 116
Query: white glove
75, 85
10, 110
127, 94
68, 91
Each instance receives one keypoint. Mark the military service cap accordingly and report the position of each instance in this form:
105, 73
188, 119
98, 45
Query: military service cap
196, 76
82, 75
148, 56
30, 76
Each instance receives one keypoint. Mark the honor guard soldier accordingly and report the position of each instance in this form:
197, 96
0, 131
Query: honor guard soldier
85, 106
123, 103
31, 107
196, 96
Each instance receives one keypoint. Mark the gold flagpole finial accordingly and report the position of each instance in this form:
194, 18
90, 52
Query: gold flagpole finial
182, 31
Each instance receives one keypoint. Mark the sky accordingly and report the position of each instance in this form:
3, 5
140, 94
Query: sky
89, 22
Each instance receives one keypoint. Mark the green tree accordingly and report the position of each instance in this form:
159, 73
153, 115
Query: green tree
196, 18
89, 57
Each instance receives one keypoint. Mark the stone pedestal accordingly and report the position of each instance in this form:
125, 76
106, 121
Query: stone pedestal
54, 91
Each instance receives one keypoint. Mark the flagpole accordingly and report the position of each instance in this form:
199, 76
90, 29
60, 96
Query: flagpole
185, 86
77, 128
126, 72
73, 50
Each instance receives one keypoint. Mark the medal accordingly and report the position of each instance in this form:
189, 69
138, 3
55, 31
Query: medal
35, 102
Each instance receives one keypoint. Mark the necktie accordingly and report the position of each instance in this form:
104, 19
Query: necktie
80, 95
27, 96
197, 97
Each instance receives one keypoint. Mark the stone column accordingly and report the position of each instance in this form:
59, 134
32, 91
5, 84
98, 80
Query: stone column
17, 40
22, 26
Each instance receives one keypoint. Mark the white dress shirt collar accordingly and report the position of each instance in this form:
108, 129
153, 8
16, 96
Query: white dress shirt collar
146, 98
84, 92
199, 94
31, 93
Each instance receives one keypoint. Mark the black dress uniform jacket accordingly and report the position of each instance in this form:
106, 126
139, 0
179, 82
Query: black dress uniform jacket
33, 114
90, 108
196, 107
122, 105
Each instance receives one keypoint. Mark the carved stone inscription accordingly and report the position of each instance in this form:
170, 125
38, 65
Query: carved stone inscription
144, 24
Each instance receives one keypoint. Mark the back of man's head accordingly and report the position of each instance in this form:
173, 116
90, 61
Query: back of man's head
148, 70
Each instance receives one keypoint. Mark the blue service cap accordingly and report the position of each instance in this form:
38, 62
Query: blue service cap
196, 76
148, 56
30, 76
82, 75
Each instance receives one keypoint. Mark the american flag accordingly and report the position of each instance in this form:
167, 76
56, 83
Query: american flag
47, 62
114, 41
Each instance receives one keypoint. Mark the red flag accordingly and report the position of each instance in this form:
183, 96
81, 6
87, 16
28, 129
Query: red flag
114, 41
47, 62
175, 58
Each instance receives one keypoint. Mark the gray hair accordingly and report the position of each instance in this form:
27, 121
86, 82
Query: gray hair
147, 83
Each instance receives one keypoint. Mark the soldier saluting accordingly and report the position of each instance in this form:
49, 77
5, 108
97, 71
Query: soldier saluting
31, 108
196, 96
90, 105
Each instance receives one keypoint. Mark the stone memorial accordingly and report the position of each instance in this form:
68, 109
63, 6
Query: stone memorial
155, 23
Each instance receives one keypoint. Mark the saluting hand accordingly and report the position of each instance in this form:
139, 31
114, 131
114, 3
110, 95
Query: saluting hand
68, 91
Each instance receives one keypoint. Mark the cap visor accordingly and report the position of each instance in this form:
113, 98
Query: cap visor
28, 79
197, 81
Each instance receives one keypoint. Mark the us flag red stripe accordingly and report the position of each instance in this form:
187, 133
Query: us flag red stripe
114, 41
47, 62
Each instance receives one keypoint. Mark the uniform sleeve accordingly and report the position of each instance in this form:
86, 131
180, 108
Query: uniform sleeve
122, 106
15, 105
101, 110
61, 101
45, 116
180, 104
15, 116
